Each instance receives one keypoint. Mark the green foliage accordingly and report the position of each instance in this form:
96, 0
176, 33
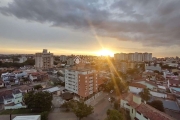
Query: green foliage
115, 84
38, 101
28, 62
82, 110
44, 115
37, 87
145, 95
114, 115
157, 104
116, 105
156, 71
175, 73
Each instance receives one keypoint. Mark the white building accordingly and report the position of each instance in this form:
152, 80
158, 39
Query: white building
22, 59
137, 57
44, 60
139, 110
136, 88
29, 117
152, 67
70, 61
63, 58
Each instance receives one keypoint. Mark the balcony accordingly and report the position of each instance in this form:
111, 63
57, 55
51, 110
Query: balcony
91, 81
90, 85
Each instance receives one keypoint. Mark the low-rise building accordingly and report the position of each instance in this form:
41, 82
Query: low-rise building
136, 87
139, 110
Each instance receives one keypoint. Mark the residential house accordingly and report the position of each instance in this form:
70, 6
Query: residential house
173, 83
25, 88
150, 85
11, 99
136, 87
139, 110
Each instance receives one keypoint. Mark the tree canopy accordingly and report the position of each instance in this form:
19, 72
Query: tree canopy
80, 109
157, 104
114, 115
37, 87
145, 95
38, 101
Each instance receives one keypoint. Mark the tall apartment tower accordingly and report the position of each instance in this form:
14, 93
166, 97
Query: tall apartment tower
81, 80
44, 60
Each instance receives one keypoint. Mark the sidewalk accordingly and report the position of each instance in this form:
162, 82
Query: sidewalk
98, 99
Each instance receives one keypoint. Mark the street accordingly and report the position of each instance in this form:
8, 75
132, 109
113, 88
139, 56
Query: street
100, 109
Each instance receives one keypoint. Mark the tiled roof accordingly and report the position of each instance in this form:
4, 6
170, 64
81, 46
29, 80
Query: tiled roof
16, 91
6, 92
151, 83
152, 113
25, 87
174, 81
138, 85
129, 98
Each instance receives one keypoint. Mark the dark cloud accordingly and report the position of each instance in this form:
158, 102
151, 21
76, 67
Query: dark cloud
151, 22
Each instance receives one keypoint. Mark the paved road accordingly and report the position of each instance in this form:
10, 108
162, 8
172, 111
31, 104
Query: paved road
100, 109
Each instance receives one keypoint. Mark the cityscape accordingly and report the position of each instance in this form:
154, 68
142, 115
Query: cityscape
89, 60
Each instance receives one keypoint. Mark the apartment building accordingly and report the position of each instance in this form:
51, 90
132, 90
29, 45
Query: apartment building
44, 60
81, 80
136, 57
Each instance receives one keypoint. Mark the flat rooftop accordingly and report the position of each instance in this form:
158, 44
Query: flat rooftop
30, 117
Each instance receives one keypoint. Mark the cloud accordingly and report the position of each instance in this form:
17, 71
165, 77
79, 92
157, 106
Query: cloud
150, 22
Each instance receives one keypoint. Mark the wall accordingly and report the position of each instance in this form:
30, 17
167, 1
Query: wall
140, 117
8, 101
17, 98
14, 107
158, 94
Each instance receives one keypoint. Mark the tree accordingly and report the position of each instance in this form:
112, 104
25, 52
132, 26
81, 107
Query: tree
116, 105
156, 71
82, 110
176, 73
157, 104
44, 115
37, 87
38, 101
114, 115
145, 95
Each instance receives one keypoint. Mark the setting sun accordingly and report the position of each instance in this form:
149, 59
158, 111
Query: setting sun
105, 52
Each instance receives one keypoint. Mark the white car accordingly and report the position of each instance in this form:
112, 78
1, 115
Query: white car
109, 99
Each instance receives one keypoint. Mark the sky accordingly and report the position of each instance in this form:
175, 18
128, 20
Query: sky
67, 27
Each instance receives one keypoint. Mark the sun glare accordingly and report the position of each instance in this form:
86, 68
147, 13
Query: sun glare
105, 52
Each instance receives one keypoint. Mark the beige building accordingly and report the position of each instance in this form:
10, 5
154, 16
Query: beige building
44, 60
82, 81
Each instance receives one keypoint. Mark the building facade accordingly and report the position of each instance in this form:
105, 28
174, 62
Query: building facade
44, 60
135, 57
82, 81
